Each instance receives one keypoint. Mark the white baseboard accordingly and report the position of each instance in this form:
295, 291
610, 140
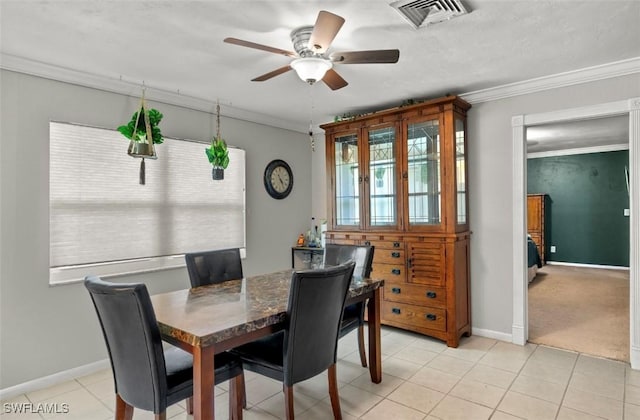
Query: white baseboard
54, 379
496, 335
606, 267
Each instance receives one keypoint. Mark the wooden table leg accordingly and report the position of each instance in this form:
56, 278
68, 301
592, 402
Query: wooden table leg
203, 380
373, 322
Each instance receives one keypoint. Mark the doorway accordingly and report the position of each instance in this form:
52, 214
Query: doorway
630, 107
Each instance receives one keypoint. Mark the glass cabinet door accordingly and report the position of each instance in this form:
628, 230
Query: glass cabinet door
382, 177
461, 174
423, 170
347, 190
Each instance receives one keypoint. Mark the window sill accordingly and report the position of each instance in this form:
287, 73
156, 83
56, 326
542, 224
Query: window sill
60, 276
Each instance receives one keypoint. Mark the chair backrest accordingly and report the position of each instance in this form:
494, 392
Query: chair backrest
335, 254
211, 267
316, 302
133, 341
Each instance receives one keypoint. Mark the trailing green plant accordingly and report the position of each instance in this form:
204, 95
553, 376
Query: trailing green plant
155, 117
379, 173
218, 153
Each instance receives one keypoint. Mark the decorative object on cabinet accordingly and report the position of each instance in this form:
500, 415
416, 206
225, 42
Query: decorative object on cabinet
143, 131
312, 62
538, 221
217, 153
278, 179
417, 220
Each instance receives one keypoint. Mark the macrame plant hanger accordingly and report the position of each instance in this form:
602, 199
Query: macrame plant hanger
142, 149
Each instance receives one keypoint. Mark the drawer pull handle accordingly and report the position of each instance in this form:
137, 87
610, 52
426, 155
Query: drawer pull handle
431, 317
367, 243
396, 244
395, 255
395, 271
431, 295
395, 311
395, 290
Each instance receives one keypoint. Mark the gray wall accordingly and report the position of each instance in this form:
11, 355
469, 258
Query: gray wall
45, 330
490, 186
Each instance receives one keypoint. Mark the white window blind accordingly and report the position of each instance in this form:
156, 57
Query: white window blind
102, 221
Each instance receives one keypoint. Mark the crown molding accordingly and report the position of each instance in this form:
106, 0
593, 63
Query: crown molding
118, 85
555, 81
124, 87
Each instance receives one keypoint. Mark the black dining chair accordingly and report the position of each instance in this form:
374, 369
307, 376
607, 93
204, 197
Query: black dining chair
209, 267
146, 376
353, 318
308, 344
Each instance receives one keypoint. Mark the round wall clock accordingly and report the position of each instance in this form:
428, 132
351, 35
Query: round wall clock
278, 179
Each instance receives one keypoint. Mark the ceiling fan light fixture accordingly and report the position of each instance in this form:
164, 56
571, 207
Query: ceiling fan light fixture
311, 69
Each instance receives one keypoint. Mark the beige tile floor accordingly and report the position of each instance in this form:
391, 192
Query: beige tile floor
422, 379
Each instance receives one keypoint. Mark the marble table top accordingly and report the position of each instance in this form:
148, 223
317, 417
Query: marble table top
207, 315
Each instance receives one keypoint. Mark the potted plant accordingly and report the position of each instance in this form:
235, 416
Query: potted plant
144, 123
218, 155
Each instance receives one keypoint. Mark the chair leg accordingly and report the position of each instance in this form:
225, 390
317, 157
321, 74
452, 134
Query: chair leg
161, 416
363, 356
236, 393
288, 401
190, 405
124, 411
333, 393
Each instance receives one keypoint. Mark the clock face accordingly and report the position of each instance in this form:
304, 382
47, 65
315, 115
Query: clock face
278, 179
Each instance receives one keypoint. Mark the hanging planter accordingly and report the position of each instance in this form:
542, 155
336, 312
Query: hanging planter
143, 131
217, 153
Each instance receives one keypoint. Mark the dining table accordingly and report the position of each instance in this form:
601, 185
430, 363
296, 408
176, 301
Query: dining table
214, 318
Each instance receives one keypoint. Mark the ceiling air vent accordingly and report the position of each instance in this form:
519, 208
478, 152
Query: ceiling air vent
425, 12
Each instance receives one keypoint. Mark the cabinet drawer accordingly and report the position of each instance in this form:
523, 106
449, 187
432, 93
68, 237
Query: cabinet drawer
420, 316
389, 256
389, 272
414, 294
391, 243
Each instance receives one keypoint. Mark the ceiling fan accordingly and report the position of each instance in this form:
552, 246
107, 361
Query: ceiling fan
311, 59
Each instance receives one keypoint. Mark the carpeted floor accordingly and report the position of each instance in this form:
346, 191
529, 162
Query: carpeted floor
581, 309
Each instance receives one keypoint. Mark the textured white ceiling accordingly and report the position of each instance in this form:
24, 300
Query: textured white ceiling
177, 46
578, 134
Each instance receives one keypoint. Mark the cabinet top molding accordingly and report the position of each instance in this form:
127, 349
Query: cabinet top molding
425, 107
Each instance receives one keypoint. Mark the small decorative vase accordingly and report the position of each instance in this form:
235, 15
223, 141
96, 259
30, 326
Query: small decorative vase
217, 173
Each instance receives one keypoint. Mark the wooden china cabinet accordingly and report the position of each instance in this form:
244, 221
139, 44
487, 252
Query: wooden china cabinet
398, 181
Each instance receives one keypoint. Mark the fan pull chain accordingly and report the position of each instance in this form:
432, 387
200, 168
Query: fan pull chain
311, 139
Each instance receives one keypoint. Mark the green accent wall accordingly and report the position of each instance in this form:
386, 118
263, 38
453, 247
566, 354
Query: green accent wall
587, 198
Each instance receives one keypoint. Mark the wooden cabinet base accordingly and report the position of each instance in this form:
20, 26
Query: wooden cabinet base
452, 340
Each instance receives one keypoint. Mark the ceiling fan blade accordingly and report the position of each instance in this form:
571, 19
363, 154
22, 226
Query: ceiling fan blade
334, 80
366, 57
324, 31
271, 74
250, 44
